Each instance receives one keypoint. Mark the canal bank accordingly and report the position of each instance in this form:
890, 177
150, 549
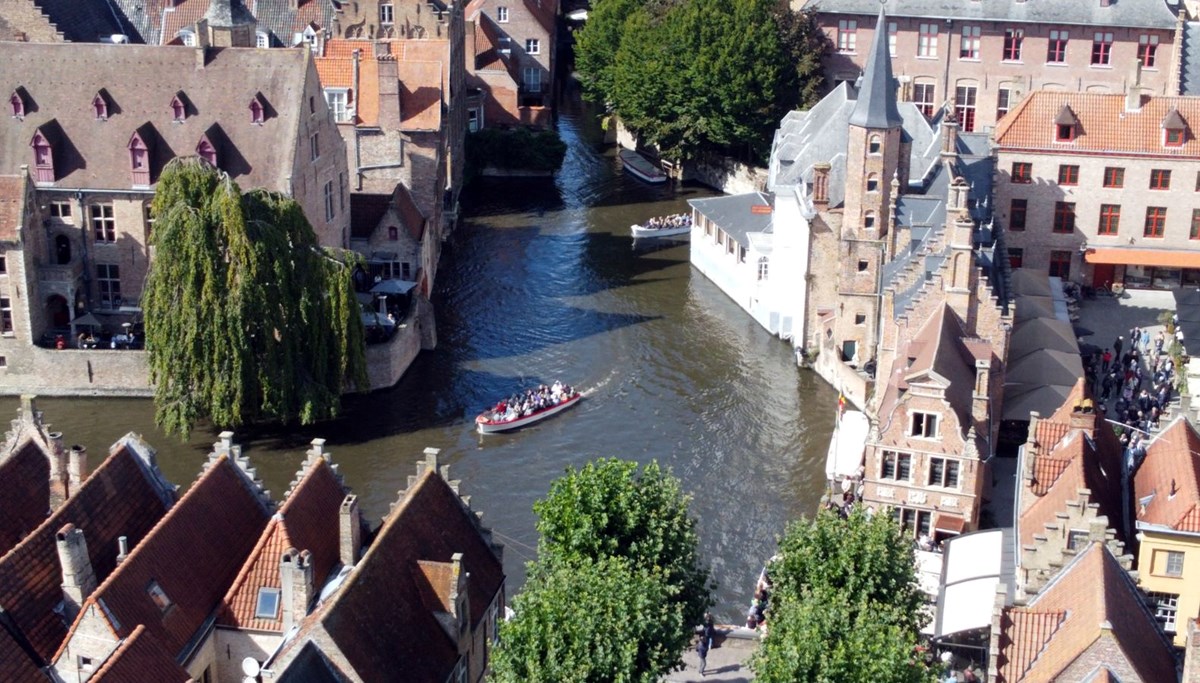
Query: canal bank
542, 281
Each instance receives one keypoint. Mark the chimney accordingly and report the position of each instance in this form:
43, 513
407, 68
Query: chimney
949, 135
296, 586
1083, 416
76, 468
202, 43
78, 579
59, 471
820, 192
349, 531
389, 92
1133, 94
122, 548
1029, 459
458, 601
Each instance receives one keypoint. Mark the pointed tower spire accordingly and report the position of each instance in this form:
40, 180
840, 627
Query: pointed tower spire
876, 105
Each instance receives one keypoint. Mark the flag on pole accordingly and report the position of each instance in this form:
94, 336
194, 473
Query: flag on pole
841, 405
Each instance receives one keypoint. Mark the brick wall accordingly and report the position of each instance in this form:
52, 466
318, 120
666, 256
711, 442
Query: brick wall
26, 22
71, 372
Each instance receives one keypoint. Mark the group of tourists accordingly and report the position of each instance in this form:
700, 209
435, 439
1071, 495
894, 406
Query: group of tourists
679, 220
1136, 380
531, 401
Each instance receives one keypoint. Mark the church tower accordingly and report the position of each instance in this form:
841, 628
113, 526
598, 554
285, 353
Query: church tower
874, 174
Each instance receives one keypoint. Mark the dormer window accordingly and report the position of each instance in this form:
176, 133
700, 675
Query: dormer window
256, 110
1066, 125
43, 157
18, 105
178, 109
206, 151
924, 425
262, 39
187, 38
1174, 129
139, 159
100, 106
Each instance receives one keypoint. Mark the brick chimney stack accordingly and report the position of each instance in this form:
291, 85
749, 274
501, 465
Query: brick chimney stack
1083, 417
349, 531
296, 582
122, 548
78, 578
60, 488
820, 193
76, 468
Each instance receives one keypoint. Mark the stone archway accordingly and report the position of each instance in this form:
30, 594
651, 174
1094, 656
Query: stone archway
58, 313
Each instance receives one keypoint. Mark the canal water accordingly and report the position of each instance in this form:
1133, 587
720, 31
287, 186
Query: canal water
541, 282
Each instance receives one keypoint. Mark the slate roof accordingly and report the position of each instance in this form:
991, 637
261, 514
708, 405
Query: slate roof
84, 22
12, 206
1169, 477
193, 554
1039, 641
140, 658
141, 81
307, 520
1131, 13
380, 619
1189, 76
733, 214
282, 22
1104, 125
24, 493
876, 104
124, 496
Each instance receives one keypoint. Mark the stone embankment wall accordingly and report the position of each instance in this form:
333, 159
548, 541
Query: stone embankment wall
76, 372
717, 172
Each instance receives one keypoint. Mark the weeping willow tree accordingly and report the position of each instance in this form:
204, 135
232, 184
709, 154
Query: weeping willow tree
247, 317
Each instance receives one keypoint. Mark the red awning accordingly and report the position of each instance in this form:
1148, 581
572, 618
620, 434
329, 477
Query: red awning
1144, 257
950, 524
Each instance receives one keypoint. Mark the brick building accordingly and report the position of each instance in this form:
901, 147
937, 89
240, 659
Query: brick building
981, 57
514, 46
1100, 188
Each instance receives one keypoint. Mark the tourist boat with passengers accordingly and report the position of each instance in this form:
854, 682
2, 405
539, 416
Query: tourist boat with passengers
640, 167
532, 405
667, 226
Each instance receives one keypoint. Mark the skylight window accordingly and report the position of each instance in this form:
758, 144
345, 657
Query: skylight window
267, 606
159, 596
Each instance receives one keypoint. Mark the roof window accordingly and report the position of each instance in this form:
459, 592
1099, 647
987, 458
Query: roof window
257, 109
17, 101
100, 105
1066, 125
159, 596
179, 109
267, 606
1174, 129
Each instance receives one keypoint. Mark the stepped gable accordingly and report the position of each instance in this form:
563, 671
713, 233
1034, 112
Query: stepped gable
125, 496
1167, 484
307, 520
192, 554
383, 619
1105, 618
140, 658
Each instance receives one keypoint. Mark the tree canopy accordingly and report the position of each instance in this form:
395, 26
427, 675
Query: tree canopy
591, 621
247, 317
845, 604
698, 75
609, 509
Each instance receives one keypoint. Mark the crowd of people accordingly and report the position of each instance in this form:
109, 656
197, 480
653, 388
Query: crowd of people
531, 401
1135, 381
679, 220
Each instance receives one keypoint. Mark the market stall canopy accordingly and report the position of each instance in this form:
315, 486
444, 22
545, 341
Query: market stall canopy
87, 319
975, 567
847, 446
393, 287
1047, 367
1030, 307
1040, 333
1163, 258
1024, 282
1021, 399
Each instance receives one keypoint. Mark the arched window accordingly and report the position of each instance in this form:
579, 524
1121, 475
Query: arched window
139, 160
100, 106
874, 144
178, 109
43, 158
873, 182
763, 268
18, 104
256, 111
206, 151
393, 233
62, 250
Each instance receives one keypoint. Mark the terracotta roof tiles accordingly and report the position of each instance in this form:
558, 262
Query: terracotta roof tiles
193, 554
12, 196
1025, 635
140, 658
420, 95
122, 497
24, 494
1104, 125
1169, 479
16, 664
308, 520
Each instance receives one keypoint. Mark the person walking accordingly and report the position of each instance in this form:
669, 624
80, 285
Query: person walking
702, 651
1117, 347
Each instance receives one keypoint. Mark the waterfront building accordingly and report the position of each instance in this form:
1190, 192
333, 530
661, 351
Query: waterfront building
1166, 489
981, 58
1089, 623
48, 574
1102, 188
513, 55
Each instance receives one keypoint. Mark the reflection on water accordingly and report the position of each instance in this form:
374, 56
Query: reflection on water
542, 281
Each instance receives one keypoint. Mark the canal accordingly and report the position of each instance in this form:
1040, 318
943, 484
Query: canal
542, 281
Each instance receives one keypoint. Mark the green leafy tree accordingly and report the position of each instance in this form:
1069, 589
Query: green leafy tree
591, 621
247, 317
597, 42
845, 604
609, 509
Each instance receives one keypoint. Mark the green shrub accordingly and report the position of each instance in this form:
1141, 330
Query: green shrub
516, 149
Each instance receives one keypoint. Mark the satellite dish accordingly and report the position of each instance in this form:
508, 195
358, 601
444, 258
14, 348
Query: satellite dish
250, 667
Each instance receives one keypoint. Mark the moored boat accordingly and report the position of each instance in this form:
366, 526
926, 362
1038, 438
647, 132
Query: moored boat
640, 167
504, 417
678, 224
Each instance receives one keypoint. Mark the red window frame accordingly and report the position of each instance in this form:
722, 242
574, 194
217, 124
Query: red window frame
1195, 233
1013, 37
1064, 218
1156, 221
1160, 179
969, 46
1060, 264
1022, 172
1110, 219
927, 40
1064, 132
1018, 211
1114, 176
1147, 50
1173, 137
1056, 51
1068, 174
1102, 42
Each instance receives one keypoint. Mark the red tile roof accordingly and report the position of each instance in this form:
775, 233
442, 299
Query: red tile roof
308, 520
1104, 125
24, 493
420, 95
193, 554
140, 658
380, 619
1099, 600
124, 496
1170, 477
16, 664
12, 201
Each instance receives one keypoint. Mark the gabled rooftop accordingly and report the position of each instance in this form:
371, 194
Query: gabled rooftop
1167, 484
125, 496
140, 658
1092, 605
